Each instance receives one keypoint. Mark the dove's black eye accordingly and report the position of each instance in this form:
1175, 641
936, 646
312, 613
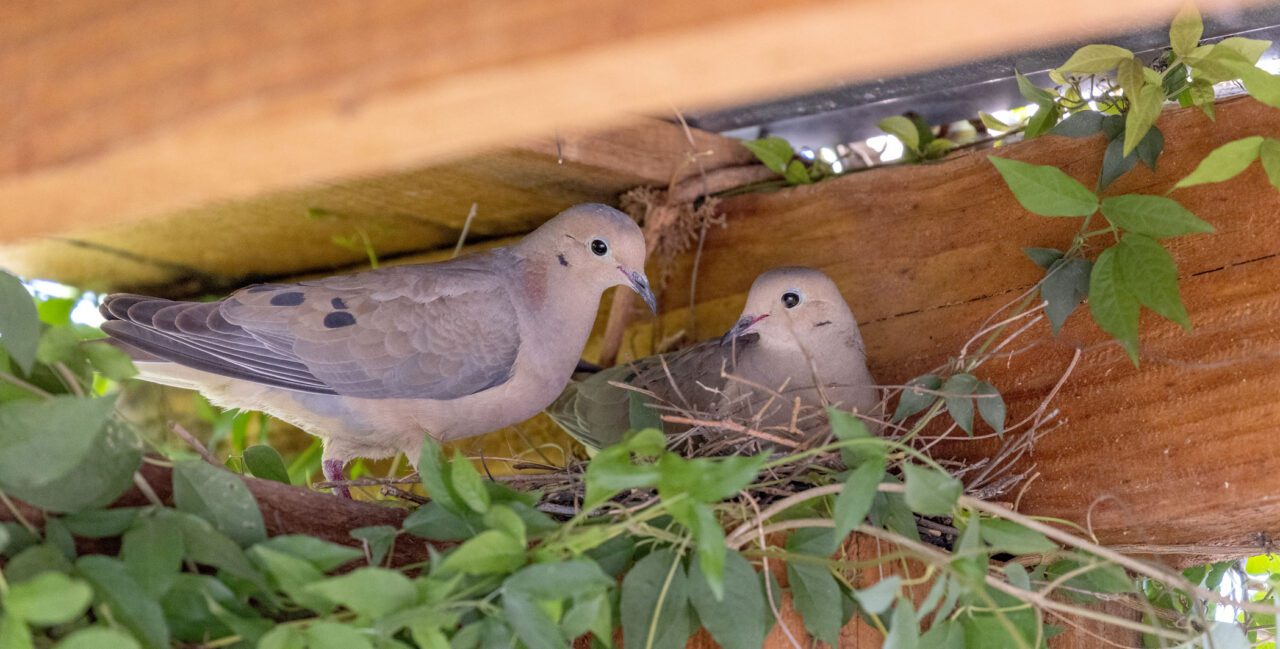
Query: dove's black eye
599, 247
790, 299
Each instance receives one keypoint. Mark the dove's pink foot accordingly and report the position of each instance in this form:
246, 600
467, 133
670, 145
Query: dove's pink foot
333, 471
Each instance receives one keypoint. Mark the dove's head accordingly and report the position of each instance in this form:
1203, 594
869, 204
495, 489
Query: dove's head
796, 307
599, 245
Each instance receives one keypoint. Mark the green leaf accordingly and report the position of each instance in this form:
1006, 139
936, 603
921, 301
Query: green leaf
774, 152
959, 388
1033, 93
433, 521
332, 635
48, 599
292, 575
877, 597
1143, 111
1262, 85
1014, 538
1224, 163
815, 591
377, 539
65, 454
739, 621
990, 406
902, 128
1046, 190
101, 523
1248, 50
109, 361
797, 173
487, 553
1043, 257
1064, 287
1150, 147
467, 483
1269, 152
1201, 93
1154, 216
913, 399
994, 124
531, 623
34, 560
944, 634
1130, 76
1082, 124
369, 592
1092, 59
1044, 119
655, 603
1115, 163
612, 469
1112, 305
905, 630
97, 637
929, 491
264, 462
434, 472
285, 637
1186, 30
1149, 273
152, 551
854, 502
220, 497
14, 633
19, 322
559, 580
129, 603
207, 546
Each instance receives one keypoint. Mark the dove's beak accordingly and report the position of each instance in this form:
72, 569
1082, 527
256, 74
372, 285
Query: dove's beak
743, 326
640, 284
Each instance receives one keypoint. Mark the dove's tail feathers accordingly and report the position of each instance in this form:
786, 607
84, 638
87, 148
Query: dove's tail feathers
196, 335
593, 411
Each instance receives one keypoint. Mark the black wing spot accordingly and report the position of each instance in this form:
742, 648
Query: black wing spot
563, 262
292, 298
338, 303
338, 319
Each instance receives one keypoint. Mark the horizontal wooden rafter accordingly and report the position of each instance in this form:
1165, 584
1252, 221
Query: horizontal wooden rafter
115, 111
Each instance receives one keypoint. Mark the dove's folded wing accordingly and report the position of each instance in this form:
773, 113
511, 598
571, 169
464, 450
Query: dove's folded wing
442, 331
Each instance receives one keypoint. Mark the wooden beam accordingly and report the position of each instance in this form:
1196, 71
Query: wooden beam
114, 112
218, 246
1172, 453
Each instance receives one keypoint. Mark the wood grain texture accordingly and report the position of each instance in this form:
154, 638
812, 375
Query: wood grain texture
119, 111
219, 246
1174, 452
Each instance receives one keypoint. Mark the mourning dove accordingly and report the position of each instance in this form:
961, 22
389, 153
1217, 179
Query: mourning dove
796, 338
372, 362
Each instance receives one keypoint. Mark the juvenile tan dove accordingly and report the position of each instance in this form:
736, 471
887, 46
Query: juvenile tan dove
796, 336
372, 362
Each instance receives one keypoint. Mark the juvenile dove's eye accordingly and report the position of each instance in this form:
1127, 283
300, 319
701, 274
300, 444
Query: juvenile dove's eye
790, 299
599, 247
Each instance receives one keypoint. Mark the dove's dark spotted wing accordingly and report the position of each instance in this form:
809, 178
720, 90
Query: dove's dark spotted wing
438, 331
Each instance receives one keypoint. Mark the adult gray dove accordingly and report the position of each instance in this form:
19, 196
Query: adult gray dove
372, 362
796, 337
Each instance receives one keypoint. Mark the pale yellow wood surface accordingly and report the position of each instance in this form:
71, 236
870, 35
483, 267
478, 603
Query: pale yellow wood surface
115, 112
219, 246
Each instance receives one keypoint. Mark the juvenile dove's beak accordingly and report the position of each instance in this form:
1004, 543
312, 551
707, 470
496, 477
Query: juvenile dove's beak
744, 325
640, 284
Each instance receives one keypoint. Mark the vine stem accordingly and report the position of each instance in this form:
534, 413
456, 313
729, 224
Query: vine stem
1140, 567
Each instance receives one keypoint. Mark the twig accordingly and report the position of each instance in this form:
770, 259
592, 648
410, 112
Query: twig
731, 426
194, 443
466, 227
396, 492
